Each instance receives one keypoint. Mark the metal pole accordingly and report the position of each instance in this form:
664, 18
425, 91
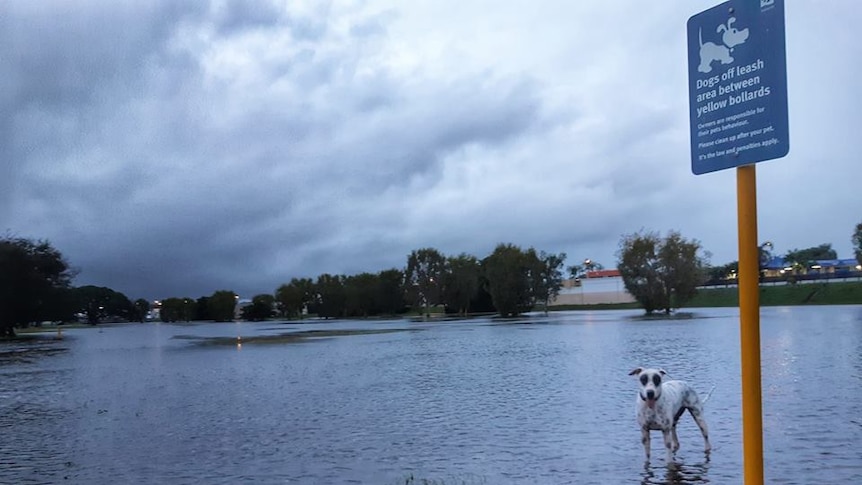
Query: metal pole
749, 325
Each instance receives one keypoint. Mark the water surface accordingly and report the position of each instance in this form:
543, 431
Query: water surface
532, 400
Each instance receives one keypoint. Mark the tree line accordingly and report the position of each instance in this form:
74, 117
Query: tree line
36, 285
509, 281
662, 273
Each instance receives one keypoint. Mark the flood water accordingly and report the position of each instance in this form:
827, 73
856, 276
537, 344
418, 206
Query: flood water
534, 400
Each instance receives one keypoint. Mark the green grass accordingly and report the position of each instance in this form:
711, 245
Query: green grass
284, 338
597, 306
53, 328
844, 293
840, 293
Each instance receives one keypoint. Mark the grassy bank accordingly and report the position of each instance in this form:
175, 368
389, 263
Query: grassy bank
843, 293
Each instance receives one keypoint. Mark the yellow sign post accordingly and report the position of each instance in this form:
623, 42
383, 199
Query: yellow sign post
738, 117
749, 324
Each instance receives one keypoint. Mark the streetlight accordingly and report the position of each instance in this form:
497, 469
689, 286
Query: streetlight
588, 266
764, 255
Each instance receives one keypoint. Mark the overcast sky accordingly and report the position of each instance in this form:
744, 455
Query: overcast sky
177, 148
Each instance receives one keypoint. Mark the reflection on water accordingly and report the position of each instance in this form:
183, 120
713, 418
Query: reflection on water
534, 400
676, 474
26, 351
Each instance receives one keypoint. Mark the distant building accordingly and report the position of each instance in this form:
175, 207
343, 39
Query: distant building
777, 270
778, 267
241, 303
596, 287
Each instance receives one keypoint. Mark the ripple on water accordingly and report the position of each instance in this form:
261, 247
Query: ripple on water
462, 402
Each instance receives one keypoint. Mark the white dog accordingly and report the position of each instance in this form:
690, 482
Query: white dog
659, 405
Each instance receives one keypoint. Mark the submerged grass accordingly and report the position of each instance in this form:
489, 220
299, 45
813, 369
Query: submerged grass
597, 306
467, 480
286, 338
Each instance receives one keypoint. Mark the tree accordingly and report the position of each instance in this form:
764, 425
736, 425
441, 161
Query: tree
360, 293
807, 257
262, 307
202, 309
222, 305
99, 303
661, 273
177, 310
548, 278
718, 274
682, 268
509, 272
390, 291
461, 282
330, 296
142, 309
293, 298
857, 242
423, 277
581, 270
34, 279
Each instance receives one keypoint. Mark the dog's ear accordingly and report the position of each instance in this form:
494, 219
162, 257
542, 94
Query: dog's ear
636, 371
662, 372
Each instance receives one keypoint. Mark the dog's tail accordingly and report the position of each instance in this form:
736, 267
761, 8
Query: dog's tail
708, 394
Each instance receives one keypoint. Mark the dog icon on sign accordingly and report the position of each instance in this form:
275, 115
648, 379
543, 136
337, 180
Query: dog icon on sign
730, 38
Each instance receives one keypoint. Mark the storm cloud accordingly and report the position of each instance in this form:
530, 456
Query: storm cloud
178, 148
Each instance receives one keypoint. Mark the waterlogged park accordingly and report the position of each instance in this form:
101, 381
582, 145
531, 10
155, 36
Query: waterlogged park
532, 399
539, 394
456, 369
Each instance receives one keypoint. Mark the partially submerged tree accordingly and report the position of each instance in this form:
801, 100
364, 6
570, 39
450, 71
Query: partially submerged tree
661, 273
548, 278
34, 280
511, 282
261, 308
423, 278
177, 309
202, 309
361, 295
294, 297
330, 297
461, 282
142, 309
390, 291
222, 305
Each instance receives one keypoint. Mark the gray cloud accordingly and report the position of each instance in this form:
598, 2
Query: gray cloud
173, 149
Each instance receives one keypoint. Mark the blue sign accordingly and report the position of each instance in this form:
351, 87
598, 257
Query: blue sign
737, 85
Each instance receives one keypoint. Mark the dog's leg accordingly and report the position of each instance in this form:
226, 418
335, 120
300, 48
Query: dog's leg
675, 439
645, 441
668, 443
697, 414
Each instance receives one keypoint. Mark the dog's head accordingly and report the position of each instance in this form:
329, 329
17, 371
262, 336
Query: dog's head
650, 382
731, 36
